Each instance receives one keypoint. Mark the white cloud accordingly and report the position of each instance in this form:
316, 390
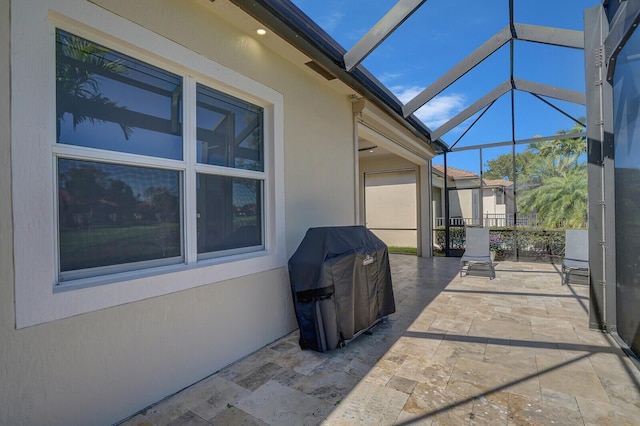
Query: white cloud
440, 110
389, 76
406, 93
331, 21
437, 111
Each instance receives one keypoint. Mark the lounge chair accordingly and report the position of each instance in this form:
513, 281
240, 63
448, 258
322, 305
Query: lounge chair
576, 253
477, 250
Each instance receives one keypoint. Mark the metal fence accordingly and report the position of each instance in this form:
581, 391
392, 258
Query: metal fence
531, 244
492, 220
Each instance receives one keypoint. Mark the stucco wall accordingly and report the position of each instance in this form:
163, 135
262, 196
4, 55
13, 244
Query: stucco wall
490, 202
462, 203
100, 367
455, 209
437, 205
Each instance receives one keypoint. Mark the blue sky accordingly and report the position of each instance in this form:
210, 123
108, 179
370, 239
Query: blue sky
443, 32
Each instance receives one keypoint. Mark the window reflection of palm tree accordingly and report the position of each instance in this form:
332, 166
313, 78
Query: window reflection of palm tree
78, 66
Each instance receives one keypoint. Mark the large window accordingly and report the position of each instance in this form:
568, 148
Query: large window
111, 214
123, 165
139, 167
110, 101
229, 206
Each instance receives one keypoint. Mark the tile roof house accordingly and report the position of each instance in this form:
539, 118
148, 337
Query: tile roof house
466, 206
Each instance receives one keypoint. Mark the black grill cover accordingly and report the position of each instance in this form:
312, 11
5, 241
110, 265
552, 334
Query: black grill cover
341, 284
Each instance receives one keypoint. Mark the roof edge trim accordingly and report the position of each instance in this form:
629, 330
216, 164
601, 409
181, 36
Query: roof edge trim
294, 26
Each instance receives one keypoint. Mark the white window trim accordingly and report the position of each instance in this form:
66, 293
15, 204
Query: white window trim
32, 139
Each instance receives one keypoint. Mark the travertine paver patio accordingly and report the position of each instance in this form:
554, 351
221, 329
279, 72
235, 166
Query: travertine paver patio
513, 350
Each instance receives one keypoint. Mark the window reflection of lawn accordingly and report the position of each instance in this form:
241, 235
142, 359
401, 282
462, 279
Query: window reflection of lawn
101, 246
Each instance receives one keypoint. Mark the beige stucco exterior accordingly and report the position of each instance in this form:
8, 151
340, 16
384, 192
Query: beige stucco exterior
99, 367
390, 199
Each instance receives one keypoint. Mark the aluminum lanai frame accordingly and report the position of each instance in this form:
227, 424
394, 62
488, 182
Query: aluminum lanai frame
380, 31
509, 85
289, 22
514, 31
532, 33
286, 20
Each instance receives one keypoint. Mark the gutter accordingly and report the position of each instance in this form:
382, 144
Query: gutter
291, 24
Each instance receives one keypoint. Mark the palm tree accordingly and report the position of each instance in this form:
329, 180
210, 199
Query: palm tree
78, 65
558, 192
562, 146
554, 183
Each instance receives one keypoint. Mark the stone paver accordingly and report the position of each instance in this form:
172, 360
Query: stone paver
459, 350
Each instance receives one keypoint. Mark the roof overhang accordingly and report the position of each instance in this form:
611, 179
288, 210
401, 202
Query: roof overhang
292, 25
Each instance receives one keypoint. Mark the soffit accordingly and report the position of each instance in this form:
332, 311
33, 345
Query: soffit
235, 16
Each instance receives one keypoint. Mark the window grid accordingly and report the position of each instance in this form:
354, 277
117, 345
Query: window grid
188, 168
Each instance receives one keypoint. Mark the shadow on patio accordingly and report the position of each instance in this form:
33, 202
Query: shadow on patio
513, 350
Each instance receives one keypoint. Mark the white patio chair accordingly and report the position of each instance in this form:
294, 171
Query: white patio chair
576, 253
477, 250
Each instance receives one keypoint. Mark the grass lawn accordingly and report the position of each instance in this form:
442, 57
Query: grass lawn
403, 250
102, 246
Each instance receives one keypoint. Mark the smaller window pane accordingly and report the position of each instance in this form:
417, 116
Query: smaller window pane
229, 213
111, 214
229, 131
107, 100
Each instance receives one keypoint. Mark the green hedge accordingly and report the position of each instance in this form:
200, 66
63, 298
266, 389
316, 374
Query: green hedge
532, 243
456, 234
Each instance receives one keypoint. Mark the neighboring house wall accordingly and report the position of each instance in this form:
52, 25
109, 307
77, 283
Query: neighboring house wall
437, 198
462, 203
467, 194
437, 205
509, 200
465, 203
390, 206
455, 204
493, 207
489, 203
469, 203
101, 366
